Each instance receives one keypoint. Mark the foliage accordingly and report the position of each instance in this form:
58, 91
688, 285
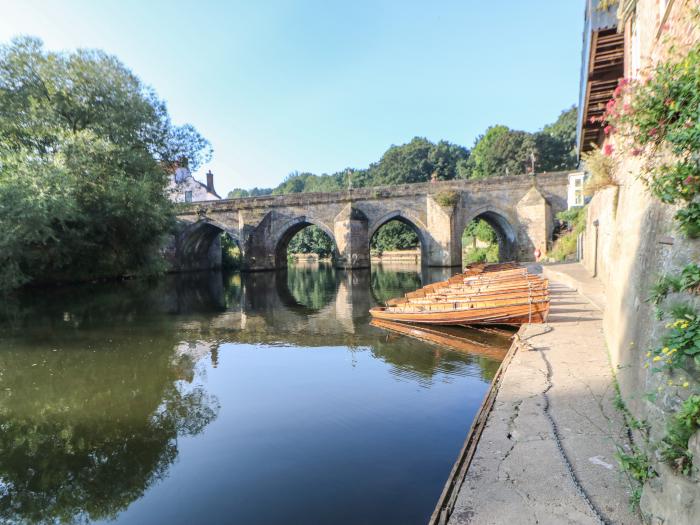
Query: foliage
573, 217
230, 253
690, 278
503, 151
447, 199
312, 239
418, 161
421, 160
689, 220
560, 152
479, 230
658, 118
394, 235
477, 255
681, 341
662, 287
601, 168
84, 149
674, 445
238, 193
638, 468
687, 281
565, 245
636, 464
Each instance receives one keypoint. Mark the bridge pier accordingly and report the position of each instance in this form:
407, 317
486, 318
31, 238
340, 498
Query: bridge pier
442, 244
351, 231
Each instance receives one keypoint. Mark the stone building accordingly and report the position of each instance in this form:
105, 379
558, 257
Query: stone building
632, 238
183, 187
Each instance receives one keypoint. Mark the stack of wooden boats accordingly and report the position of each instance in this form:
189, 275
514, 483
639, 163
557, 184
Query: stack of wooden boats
484, 294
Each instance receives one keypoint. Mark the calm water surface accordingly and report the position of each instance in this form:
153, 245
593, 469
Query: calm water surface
254, 399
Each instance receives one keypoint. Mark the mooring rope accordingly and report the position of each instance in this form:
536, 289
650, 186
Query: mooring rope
555, 431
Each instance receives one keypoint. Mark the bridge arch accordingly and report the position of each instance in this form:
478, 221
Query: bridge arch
503, 224
287, 231
198, 247
413, 222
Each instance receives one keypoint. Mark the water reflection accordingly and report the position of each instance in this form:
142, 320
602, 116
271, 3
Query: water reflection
100, 383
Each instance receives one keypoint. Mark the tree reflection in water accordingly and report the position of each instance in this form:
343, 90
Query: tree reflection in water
312, 284
98, 382
90, 419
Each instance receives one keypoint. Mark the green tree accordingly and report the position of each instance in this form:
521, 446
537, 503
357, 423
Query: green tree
84, 153
394, 235
501, 151
556, 143
311, 239
418, 161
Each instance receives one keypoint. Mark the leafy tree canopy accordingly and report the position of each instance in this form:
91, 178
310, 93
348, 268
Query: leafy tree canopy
499, 151
84, 152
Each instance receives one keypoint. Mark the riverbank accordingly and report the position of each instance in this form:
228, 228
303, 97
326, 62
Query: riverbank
517, 473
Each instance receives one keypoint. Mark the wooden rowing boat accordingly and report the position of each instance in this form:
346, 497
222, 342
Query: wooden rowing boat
484, 294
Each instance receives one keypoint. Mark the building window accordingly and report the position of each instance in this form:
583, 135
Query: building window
188, 196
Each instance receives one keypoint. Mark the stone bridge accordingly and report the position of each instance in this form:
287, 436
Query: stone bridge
520, 209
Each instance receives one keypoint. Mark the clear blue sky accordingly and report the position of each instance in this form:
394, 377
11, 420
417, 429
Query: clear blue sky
319, 86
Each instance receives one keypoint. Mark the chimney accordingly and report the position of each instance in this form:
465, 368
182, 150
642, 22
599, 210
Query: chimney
210, 182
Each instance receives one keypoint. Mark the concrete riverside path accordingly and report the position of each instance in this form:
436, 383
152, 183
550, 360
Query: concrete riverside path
517, 475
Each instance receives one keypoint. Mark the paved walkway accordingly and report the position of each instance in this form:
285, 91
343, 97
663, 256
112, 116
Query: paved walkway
517, 475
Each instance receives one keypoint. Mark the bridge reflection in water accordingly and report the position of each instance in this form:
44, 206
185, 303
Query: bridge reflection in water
101, 386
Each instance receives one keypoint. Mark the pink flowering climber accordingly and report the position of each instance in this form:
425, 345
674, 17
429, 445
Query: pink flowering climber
608, 150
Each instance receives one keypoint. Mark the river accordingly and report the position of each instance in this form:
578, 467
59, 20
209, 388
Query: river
262, 398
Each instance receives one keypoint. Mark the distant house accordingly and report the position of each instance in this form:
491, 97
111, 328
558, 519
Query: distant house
183, 187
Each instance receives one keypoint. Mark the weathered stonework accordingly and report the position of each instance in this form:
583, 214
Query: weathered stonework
635, 241
519, 208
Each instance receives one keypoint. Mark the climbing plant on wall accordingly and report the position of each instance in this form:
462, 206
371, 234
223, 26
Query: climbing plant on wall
657, 118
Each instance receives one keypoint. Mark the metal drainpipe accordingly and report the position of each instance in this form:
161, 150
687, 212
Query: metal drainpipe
595, 250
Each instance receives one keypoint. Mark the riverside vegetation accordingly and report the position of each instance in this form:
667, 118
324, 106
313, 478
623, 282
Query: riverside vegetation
86, 149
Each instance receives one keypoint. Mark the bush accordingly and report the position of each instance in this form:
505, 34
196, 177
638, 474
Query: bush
565, 245
489, 254
600, 168
447, 199
674, 446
